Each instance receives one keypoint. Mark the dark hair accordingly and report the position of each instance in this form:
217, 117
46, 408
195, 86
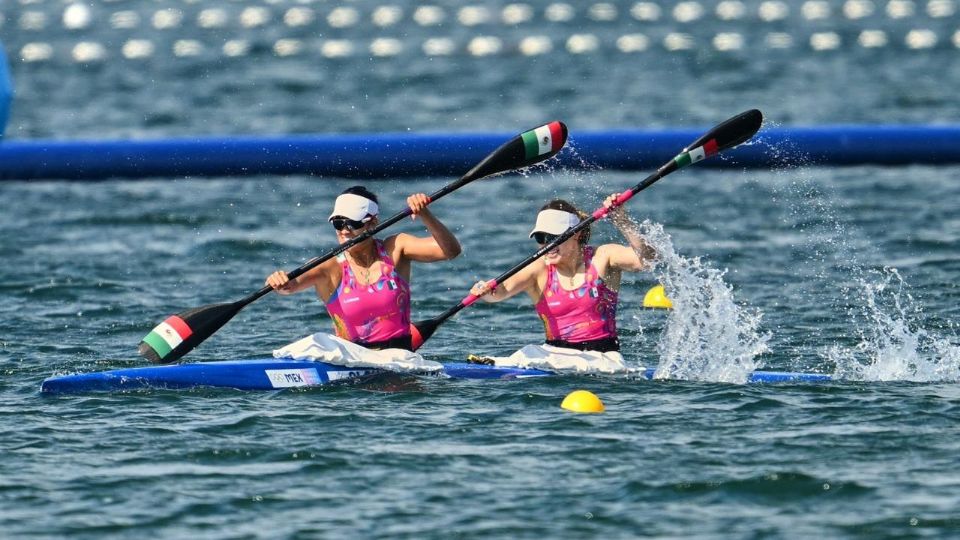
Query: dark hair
361, 191
560, 204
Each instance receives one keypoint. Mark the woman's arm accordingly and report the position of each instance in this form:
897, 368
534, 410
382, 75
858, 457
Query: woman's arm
639, 255
311, 278
524, 280
441, 245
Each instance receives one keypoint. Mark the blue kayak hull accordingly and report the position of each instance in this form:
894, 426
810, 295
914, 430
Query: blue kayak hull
274, 374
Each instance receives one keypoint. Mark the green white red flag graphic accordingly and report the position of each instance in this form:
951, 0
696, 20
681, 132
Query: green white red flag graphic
544, 139
699, 153
167, 335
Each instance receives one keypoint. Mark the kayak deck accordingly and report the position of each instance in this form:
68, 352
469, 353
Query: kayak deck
273, 374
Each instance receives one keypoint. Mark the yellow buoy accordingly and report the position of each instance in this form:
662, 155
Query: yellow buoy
582, 401
656, 297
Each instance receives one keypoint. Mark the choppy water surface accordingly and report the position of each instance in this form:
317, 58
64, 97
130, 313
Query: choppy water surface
846, 271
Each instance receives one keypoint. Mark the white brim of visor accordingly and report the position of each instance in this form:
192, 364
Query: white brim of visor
553, 221
354, 207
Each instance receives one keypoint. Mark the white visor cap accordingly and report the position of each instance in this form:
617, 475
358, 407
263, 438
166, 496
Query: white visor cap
553, 221
355, 207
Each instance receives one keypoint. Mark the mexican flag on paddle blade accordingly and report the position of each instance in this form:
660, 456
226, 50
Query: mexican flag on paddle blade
167, 335
544, 139
697, 154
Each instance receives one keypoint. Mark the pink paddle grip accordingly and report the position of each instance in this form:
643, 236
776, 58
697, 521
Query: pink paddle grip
622, 198
492, 284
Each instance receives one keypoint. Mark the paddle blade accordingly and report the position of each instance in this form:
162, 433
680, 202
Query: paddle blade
730, 133
528, 148
421, 331
179, 334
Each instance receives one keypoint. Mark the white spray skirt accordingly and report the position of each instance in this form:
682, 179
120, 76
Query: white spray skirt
334, 350
561, 359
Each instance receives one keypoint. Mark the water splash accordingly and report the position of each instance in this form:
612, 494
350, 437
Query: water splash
891, 344
708, 336
889, 341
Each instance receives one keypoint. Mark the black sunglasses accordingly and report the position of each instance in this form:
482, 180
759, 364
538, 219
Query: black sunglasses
543, 238
339, 223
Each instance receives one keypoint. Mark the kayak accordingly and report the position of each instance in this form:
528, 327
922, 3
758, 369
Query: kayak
275, 374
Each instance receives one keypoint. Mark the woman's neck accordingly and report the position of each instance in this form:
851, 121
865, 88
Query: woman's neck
571, 265
363, 254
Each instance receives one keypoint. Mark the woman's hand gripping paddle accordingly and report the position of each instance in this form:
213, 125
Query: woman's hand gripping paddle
730, 133
180, 333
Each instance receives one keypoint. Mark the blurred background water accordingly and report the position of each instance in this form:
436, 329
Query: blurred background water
847, 271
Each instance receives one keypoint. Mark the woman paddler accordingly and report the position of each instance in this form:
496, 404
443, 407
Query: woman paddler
366, 289
574, 288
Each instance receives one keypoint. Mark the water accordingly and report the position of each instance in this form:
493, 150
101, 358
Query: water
846, 271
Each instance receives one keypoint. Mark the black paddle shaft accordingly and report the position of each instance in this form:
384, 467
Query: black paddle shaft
726, 135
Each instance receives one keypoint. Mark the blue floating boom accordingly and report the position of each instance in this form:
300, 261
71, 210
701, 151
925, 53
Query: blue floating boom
6, 90
394, 155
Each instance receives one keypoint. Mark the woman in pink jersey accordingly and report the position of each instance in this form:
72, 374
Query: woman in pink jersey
366, 288
574, 288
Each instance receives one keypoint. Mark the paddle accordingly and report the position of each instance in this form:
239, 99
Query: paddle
722, 137
180, 333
